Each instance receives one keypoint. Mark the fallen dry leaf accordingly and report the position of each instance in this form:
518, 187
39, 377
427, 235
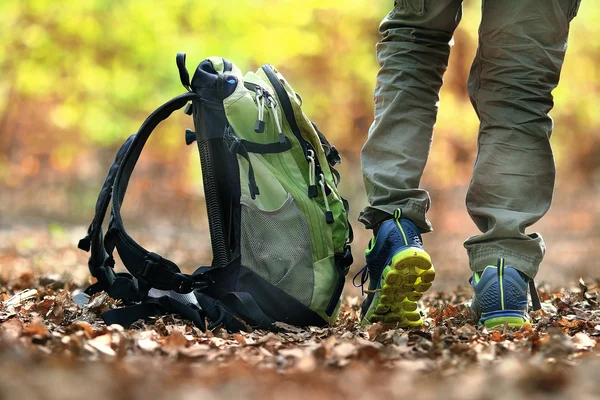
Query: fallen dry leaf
582, 341
168, 357
239, 338
21, 297
36, 328
102, 344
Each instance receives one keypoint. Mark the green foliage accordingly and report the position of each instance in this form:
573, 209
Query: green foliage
106, 63
97, 67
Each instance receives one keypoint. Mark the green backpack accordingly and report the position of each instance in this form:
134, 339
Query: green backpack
279, 228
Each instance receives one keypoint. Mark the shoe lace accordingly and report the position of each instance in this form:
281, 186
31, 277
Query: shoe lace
418, 240
535, 299
364, 277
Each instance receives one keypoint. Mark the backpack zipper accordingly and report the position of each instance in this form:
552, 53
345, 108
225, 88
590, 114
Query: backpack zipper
264, 99
288, 111
273, 104
286, 106
259, 126
328, 214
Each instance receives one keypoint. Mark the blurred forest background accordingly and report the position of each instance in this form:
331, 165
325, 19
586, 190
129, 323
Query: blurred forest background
78, 77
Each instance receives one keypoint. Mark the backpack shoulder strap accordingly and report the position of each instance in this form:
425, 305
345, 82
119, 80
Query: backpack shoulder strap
101, 262
150, 269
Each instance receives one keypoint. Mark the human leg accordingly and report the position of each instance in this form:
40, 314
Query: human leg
521, 51
413, 54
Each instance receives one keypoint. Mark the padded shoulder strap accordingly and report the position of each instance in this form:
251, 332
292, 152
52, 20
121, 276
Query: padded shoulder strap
99, 262
149, 268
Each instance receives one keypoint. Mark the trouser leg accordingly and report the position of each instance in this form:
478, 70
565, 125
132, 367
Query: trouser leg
522, 46
413, 55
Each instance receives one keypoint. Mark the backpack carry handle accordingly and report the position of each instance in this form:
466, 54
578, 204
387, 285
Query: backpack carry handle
184, 75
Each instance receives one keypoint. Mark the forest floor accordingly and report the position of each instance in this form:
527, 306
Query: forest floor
51, 348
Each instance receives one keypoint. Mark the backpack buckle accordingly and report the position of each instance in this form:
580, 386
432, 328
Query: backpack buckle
182, 283
334, 157
186, 283
344, 260
152, 259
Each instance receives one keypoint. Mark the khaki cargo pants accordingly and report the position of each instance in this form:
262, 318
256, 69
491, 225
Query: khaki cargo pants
522, 46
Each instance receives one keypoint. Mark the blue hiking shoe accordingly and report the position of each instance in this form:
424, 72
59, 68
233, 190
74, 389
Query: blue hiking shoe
400, 271
501, 296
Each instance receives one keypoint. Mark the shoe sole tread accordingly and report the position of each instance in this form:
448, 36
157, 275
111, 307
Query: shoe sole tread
403, 282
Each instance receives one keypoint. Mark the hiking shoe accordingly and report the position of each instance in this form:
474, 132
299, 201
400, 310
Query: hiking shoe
500, 296
399, 272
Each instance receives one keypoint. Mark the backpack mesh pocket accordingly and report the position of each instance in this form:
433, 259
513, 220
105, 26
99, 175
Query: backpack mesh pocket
276, 245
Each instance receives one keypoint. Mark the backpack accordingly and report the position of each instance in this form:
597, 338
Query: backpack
279, 228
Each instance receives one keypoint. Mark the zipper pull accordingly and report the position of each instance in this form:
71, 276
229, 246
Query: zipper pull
312, 187
259, 126
273, 105
328, 214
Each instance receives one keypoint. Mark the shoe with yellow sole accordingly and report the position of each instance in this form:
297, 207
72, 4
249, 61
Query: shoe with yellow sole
399, 271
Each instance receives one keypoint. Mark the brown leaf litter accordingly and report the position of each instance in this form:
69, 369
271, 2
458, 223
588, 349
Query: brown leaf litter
47, 341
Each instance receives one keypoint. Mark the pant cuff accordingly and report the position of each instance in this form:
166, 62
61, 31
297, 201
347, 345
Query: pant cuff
413, 210
489, 255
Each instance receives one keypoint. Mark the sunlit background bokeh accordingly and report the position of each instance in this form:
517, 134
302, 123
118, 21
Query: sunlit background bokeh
78, 77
